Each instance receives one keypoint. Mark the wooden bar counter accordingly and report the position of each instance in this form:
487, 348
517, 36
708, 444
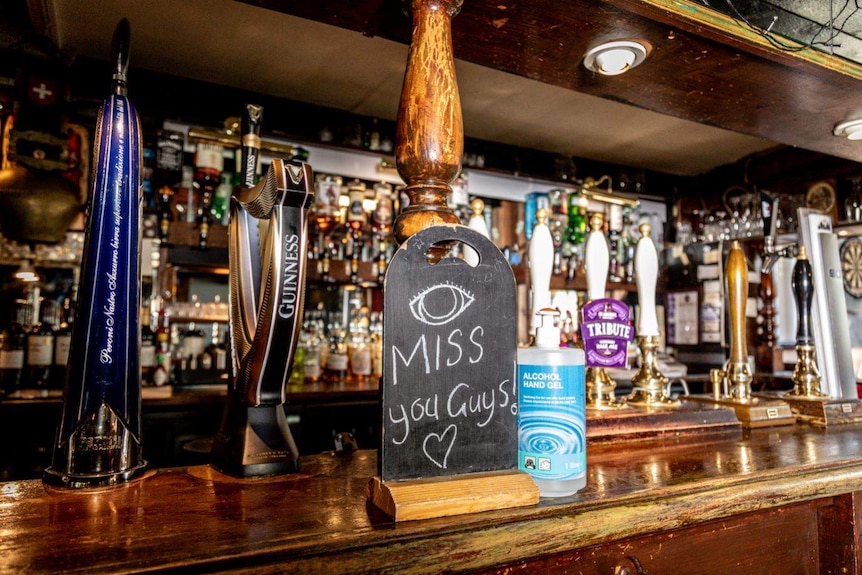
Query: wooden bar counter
782, 500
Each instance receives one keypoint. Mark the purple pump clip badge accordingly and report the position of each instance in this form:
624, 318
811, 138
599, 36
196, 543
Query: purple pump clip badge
606, 331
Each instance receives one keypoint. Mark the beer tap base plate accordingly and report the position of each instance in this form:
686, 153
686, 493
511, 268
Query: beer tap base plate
821, 411
254, 442
754, 411
652, 421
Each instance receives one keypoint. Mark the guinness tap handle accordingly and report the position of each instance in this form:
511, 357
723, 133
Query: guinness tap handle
737, 296
250, 123
597, 259
646, 271
803, 293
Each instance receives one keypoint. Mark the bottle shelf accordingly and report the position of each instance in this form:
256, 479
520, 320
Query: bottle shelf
577, 283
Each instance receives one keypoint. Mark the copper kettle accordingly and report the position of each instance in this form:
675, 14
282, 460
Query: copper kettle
36, 206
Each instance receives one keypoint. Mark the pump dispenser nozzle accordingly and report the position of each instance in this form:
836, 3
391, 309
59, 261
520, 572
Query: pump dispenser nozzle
548, 330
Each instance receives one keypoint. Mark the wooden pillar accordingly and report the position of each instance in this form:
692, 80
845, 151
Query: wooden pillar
430, 132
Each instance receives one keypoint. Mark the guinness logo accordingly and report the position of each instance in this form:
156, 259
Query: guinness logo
295, 173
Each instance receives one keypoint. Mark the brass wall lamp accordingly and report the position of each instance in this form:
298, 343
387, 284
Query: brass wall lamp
591, 190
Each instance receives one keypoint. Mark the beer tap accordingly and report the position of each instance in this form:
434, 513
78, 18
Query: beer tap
771, 252
732, 385
806, 378
600, 385
649, 384
540, 253
738, 373
477, 223
268, 234
806, 399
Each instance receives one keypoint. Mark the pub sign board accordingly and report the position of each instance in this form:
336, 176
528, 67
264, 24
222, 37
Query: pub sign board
449, 360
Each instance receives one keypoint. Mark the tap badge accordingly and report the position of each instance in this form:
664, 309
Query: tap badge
606, 330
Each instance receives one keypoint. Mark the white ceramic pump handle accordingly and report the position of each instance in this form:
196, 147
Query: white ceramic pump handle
476, 223
646, 271
597, 259
541, 254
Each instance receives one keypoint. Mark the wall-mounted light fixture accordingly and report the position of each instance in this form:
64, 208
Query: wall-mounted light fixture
851, 130
592, 191
612, 58
26, 272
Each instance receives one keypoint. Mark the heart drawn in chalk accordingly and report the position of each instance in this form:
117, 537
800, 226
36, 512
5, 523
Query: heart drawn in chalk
440, 444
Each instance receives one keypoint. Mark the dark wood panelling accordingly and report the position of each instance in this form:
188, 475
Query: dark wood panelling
696, 72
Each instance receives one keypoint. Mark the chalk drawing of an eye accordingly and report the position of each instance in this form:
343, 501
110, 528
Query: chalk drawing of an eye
440, 304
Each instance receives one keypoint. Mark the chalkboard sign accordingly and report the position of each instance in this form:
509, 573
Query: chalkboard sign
449, 344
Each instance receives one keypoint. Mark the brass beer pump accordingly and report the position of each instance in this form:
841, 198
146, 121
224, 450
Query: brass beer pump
649, 384
732, 385
600, 386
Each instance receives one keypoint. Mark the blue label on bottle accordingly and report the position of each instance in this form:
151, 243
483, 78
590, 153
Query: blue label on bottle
552, 438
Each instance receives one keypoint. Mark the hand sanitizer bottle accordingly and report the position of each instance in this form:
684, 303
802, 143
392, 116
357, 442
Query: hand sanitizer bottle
552, 438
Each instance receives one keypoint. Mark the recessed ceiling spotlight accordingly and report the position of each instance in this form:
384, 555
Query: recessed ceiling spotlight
612, 58
851, 130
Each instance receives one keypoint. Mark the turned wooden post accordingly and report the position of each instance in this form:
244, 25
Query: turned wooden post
430, 132
766, 349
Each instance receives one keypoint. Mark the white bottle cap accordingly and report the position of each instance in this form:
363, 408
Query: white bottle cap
548, 331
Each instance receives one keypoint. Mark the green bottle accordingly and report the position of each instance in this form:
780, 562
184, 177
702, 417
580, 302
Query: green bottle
576, 230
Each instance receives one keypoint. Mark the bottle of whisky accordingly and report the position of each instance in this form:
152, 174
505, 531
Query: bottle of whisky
148, 348
62, 343
209, 164
335, 369
359, 350
40, 349
357, 223
167, 175
162, 371
12, 344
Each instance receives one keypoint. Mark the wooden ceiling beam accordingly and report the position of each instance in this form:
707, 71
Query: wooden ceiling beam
700, 68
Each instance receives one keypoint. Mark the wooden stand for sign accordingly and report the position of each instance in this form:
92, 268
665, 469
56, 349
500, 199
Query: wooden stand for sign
445, 496
756, 412
643, 422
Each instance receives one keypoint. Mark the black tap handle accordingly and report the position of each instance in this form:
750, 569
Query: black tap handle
120, 53
803, 292
768, 207
252, 118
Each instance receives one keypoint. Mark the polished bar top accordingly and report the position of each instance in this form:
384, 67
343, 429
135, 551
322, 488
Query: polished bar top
170, 395
318, 520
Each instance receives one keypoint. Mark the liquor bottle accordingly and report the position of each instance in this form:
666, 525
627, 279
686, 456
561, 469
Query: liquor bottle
148, 348
167, 175
209, 164
12, 344
376, 338
148, 190
337, 362
62, 343
40, 350
535, 201
162, 371
357, 222
359, 348
221, 202
193, 346
311, 362
217, 349
169, 159
384, 212
576, 230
